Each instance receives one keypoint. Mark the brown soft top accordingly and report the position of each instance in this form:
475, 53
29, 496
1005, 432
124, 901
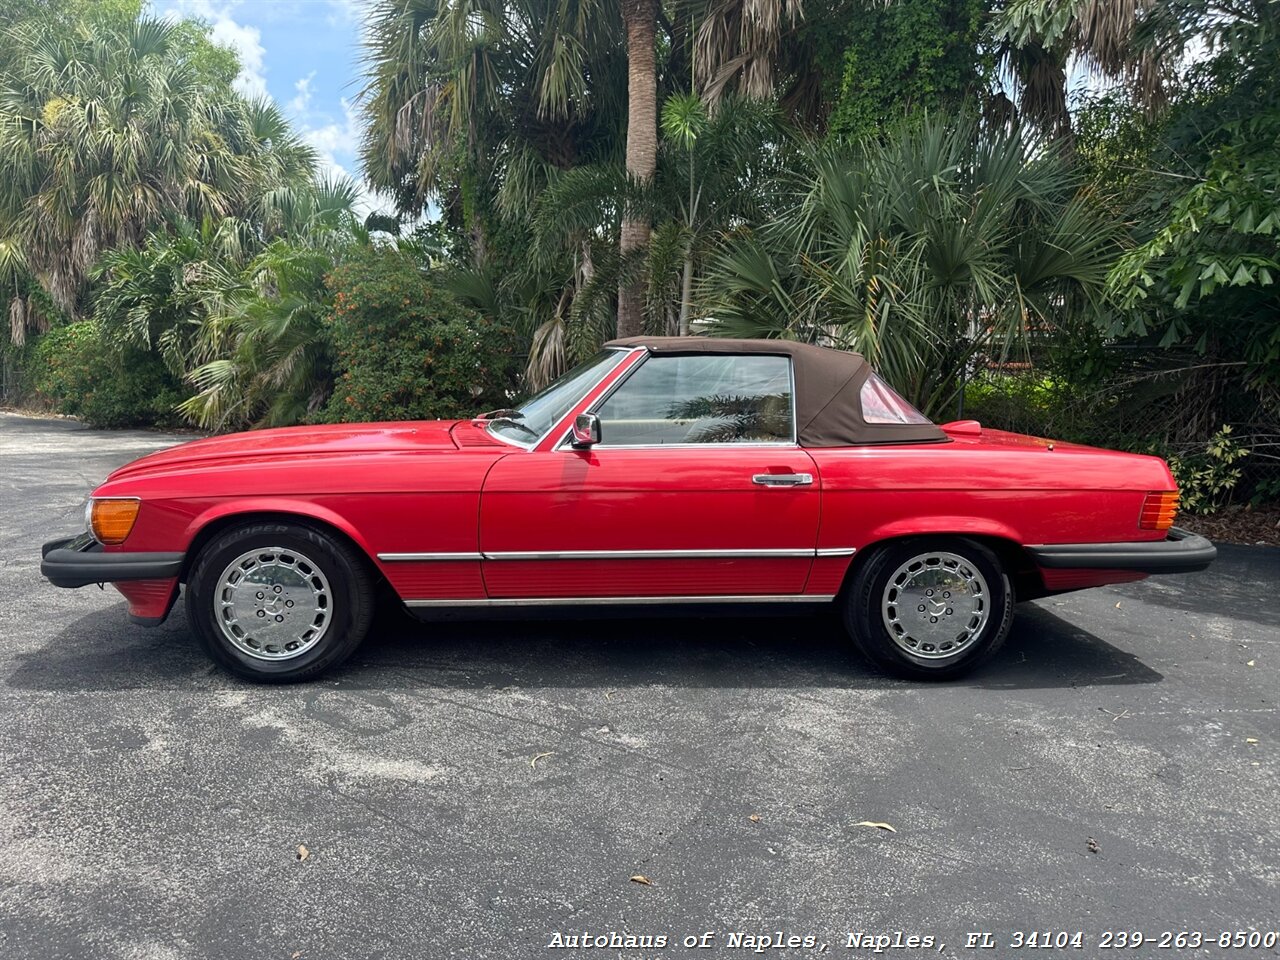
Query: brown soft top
828, 388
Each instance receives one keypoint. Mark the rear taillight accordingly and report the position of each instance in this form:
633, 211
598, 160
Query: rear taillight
1158, 510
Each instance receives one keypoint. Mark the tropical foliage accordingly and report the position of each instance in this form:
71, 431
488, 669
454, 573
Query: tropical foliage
905, 57
922, 251
1061, 214
1207, 268
186, 223
406, 348
109, 129
107, 384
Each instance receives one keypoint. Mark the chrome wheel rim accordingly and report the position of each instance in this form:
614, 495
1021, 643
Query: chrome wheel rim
935, 605
273, 603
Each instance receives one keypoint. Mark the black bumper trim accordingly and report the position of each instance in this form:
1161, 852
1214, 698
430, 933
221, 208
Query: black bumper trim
80, 561
1181, 552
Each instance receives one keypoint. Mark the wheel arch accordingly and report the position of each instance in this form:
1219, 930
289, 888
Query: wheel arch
215, 522
1017, 563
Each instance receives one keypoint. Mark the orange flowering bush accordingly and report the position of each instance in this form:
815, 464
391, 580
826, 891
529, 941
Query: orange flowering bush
405, 349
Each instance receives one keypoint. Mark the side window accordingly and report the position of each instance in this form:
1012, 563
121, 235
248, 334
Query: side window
882, 404
712, 398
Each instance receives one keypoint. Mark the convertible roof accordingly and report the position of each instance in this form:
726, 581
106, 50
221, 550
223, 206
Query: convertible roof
828, 386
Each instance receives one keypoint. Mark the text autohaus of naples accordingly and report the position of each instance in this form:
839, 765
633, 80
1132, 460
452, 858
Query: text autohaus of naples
759, 943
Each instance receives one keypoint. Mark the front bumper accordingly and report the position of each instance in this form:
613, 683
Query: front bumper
1180, 552
80, 561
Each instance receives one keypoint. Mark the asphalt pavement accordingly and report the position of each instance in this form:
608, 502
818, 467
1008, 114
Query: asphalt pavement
488, 790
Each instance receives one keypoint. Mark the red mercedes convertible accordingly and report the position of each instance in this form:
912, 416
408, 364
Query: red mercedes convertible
664, 471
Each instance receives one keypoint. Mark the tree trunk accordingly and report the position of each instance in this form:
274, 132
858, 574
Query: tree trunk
686, 292
640, 17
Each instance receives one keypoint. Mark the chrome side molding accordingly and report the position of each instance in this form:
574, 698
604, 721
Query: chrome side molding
621, 601
419, 557
798, 553
646, 554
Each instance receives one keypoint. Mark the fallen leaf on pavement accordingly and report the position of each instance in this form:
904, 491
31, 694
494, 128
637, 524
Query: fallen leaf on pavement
303, 852
541, 756
1250, 739
1093, 845
642, 879
754, 818
876, 824
1251, 663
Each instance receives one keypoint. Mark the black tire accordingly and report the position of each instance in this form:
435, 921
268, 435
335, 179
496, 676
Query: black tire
348, 601
865, 617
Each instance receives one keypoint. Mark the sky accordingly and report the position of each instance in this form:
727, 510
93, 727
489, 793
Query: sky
305, 54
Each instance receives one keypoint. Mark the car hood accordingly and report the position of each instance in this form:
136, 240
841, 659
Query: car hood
299, 443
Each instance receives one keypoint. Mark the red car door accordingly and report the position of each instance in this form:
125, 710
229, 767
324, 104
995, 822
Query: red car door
697, 489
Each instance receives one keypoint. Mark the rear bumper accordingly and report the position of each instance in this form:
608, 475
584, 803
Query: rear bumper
80, 561
1180, 552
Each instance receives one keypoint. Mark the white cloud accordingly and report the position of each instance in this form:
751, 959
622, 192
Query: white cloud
226, 31
300, 104
332, 138
336, 142
347, 11
333, 142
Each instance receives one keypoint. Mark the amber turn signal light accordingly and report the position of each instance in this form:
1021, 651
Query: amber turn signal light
111, 520
1158, 510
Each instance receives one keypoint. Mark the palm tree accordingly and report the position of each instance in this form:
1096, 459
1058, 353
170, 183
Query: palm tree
236, 313
1038, 40
273, 365
107, 131
81, 120
475, 103
739, 44
162, 294
641, 21
713, 174
481, 105
720, 168
922, 250
759, 27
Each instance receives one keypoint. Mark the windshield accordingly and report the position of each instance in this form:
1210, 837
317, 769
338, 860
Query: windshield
529, 422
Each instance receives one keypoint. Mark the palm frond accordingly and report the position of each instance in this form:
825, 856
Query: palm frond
920, 249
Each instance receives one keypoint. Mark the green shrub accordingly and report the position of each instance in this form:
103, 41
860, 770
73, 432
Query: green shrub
1208, 477
1265, 491
76, 371
1024, 403
406, 349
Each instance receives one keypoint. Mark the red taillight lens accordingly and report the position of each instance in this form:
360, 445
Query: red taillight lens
1158, 510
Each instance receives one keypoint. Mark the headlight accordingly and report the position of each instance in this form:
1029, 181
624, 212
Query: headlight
110, 520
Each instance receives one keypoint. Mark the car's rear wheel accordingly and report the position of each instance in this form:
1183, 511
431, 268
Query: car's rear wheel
929, 608
279, 602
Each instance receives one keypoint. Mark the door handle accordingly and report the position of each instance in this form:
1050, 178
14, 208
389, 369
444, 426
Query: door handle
783, 479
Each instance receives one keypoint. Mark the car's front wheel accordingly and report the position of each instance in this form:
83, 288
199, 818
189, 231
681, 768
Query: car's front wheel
929, 608
279, 602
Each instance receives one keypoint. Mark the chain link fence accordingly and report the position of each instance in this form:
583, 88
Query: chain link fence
12, 381
1151, 401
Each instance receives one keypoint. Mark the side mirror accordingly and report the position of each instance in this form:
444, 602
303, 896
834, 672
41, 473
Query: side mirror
586, 430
